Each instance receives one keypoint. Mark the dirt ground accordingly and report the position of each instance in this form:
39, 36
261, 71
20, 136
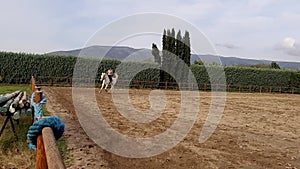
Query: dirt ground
256, 131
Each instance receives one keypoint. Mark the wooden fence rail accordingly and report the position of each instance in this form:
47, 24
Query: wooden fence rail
47, 154
88, 82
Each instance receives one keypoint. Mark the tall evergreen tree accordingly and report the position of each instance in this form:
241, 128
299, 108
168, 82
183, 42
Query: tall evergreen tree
179, 46
179, 53
187, 48
175, 49
165, 48
164, 57
164, 40
167, 55
172, 42
155, 53
172, 55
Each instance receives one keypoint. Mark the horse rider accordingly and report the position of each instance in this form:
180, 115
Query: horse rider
110, 74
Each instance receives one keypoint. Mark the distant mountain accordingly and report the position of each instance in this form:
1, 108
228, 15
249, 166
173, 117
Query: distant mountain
132, 54
115, 52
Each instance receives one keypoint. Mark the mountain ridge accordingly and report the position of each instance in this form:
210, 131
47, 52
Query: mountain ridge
131, 54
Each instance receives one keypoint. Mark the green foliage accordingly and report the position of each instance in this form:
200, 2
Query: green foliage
200, 73
187, 48
19, 67
295, 79
246, 76
139, 74
255, 76
274, 65
138, 71
199, 62
179, 46
256, 66
175, 56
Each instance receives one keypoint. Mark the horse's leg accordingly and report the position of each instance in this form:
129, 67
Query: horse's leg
106, 87
112, 86
101, 87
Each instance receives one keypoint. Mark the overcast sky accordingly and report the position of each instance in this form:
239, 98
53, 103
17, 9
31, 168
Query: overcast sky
259, 29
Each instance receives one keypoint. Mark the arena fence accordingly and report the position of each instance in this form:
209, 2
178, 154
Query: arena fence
89, 82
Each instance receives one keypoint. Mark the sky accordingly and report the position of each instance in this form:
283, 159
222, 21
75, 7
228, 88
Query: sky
256, 29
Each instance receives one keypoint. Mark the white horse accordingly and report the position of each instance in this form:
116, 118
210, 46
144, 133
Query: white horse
105, 81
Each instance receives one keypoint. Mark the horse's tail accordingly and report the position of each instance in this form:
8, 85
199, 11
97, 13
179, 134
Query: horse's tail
116, 76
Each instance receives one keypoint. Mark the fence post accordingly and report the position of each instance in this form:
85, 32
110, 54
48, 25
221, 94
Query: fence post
41, 161
280, 89
270, 89
166, 85
260, 89
32, 84
46, 142
51, 81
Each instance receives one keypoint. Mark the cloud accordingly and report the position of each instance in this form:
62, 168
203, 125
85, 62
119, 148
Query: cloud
289, 46
253, 25
227, 45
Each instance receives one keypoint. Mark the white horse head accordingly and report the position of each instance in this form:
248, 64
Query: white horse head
105, 81
102, 76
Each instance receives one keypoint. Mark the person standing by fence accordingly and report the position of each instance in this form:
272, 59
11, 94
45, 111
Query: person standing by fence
38, 106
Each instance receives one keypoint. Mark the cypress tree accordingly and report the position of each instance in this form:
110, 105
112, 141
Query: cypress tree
187, 48
173, 57
172, 42
186, 56
164, 48
179, 44
167, 55
164, 57
180, 54
175, 48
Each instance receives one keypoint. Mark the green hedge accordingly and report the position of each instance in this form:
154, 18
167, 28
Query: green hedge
19, 67
246, 76
257, 76
138, 71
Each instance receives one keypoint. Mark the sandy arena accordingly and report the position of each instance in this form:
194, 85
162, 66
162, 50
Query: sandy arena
256, 131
